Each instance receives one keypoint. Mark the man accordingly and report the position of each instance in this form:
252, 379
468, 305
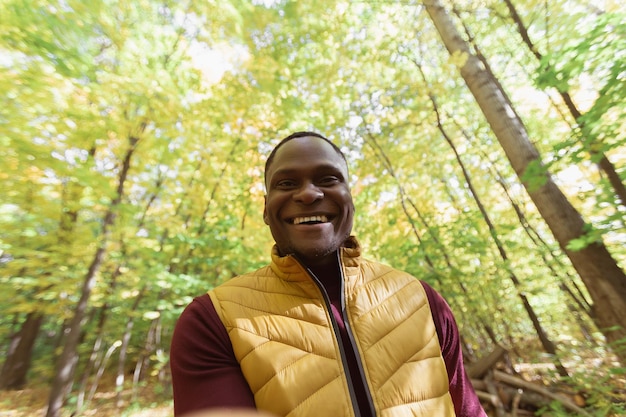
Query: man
320, 331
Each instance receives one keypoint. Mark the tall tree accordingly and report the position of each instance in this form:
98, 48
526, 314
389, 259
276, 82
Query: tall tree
604, 279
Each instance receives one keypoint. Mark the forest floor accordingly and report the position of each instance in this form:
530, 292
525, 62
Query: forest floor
32, 402
153, 399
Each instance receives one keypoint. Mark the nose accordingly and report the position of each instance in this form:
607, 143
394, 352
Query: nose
308, 193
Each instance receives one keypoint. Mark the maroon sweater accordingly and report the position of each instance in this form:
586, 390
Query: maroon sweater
205, 373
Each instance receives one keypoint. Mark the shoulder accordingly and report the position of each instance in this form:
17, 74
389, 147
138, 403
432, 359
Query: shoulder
247, 279
437, 303
376, 269
198, 315
199, 330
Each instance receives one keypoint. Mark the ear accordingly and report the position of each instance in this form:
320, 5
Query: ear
265, 217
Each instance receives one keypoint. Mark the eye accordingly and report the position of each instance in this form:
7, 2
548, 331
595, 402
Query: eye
285, 184
328, 180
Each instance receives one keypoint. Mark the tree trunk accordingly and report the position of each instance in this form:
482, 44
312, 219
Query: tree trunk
100, 371
143, 361
576, 301
545, 340
121, 364
66, 363
19, 354
602, 276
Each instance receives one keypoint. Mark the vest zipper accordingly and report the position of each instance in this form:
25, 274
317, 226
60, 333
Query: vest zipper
344, 360
346, 323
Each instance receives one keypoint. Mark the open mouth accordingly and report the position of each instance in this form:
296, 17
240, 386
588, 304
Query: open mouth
309, 220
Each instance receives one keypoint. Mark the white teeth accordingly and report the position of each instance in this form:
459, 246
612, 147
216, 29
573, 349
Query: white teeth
299, 220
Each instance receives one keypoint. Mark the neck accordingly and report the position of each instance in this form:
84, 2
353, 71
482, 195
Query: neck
327, 269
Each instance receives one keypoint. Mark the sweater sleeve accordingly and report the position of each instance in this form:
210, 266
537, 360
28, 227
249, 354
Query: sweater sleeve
205, 373
466, 403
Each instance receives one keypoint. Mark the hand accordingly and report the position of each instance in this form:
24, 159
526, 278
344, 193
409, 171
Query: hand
229, 412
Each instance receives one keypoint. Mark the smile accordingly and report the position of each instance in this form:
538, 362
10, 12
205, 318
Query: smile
310, 219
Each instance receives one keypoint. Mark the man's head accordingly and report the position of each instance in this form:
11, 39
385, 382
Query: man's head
308, 205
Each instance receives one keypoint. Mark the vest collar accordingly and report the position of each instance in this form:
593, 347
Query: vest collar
289, 268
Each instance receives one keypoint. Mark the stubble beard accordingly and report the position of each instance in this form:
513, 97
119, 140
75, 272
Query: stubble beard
318, 252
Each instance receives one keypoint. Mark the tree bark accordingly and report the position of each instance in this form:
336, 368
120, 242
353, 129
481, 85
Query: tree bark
19, 355
602, 276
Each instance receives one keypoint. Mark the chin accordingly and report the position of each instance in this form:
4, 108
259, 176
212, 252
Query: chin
315, 254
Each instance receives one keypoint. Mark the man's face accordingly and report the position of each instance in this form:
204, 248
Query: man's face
308, 206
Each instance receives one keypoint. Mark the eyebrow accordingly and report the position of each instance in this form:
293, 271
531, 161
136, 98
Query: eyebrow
325, 167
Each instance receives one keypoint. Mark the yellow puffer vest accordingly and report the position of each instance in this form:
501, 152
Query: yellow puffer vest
282, 335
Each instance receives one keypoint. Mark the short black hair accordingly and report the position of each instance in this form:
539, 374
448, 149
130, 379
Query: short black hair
300, 134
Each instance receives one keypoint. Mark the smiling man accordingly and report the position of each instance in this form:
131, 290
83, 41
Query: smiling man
320, 331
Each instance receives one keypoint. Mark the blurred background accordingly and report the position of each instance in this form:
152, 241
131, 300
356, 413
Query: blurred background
486, 147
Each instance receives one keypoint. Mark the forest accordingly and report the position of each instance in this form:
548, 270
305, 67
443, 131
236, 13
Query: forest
486, 143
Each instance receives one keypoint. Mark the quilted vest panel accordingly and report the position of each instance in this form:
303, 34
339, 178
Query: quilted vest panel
283, 338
